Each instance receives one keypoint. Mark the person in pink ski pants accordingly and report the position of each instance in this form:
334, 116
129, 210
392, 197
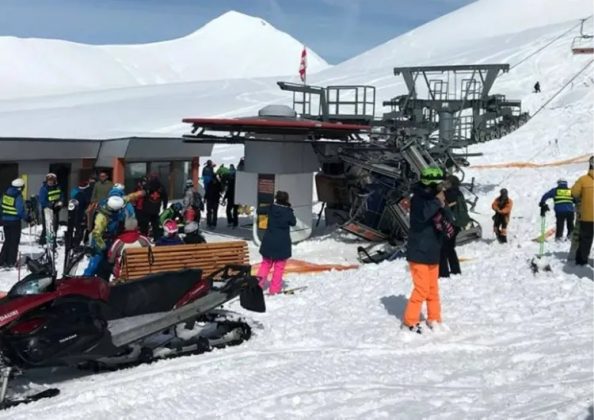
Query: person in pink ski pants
276, 243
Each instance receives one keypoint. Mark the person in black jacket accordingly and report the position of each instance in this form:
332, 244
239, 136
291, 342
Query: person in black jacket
232, 208
156, 196
454, 200
276, 243
213, 196
83, 197
429, 224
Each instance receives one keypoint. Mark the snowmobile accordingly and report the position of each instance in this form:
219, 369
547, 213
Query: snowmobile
85, 322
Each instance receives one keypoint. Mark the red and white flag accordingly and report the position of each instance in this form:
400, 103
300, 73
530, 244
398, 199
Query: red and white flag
303, 65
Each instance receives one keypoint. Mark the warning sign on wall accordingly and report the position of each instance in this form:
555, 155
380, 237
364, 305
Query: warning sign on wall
265, 200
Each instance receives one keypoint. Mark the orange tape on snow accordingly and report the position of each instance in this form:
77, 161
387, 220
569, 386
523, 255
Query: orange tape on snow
300, 266
547, 234
579, 159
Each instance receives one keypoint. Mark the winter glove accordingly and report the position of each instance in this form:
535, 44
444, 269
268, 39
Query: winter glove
543, 209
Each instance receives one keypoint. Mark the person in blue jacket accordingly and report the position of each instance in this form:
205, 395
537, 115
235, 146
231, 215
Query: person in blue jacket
50, 196
109, 223
564, 207
276, 243
13, 211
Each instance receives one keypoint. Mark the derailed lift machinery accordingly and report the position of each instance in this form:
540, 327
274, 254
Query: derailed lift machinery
366, 188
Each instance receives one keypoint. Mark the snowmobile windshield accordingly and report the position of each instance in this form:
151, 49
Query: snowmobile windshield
31, 285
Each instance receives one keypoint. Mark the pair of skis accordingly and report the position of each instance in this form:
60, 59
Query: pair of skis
538, 263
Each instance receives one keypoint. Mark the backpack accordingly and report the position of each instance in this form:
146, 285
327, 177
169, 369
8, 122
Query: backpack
460, 212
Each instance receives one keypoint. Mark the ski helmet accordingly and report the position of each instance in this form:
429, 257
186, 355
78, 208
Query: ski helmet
189, 183
18, 183
72, 204
503, 192
177, 207
115, 192
115, 203
431, 175
169, 227
561, 181
191, 227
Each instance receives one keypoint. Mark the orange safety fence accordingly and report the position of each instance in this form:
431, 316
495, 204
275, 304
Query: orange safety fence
578, 159
300, 266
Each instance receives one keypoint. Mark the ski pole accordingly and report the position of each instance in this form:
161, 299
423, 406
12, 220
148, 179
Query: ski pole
30, 241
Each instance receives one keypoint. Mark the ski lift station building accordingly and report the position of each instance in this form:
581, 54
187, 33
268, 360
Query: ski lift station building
75, 159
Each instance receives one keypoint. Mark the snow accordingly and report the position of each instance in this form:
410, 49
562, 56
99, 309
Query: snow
233, 45
517, 344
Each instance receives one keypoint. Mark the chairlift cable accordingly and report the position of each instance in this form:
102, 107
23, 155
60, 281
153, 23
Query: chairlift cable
550, 42
538, 152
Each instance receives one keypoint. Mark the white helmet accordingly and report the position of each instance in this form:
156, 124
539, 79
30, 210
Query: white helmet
115, 203
561, 181
118, 186
18, 183
72, 204
191, 227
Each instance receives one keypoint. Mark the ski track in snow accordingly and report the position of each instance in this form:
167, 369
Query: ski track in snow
519, 345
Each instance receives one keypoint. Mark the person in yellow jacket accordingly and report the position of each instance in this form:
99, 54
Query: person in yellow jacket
583, 190
109, 223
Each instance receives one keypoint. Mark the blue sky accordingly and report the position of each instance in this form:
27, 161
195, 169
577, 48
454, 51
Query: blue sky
335, 29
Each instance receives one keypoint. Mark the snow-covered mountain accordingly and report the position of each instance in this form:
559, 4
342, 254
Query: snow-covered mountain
461, 31
518, 345
232, 46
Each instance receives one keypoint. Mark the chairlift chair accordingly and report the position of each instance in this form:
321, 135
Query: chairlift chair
582, 44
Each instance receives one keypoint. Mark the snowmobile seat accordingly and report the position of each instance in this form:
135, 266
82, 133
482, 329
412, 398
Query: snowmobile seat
209, 257
151, 294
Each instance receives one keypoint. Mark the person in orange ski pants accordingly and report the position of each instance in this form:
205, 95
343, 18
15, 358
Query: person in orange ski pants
430, 223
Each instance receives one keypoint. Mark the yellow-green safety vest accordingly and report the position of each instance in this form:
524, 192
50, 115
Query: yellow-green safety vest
563, 196
9, 205
54, 195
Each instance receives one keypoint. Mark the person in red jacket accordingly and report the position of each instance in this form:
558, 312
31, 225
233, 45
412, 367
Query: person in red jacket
129, 238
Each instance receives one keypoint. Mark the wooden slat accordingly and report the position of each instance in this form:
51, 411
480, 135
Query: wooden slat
208, 257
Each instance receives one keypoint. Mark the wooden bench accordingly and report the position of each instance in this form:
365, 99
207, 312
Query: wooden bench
139, 262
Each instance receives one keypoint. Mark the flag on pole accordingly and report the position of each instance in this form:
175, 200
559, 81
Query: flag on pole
303, 65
